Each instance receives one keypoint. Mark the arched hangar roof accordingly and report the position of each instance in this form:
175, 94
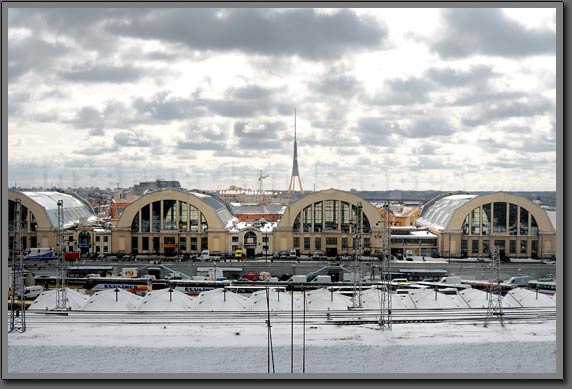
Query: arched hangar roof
448, 213
44, 206
217, 214
298, 206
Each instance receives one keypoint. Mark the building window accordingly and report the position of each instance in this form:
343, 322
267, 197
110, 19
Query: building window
234, 239
499, 222
523, 246
105, 239
156, 245
317, 243
464, 244
318, 217
486, 247
513, 219
145, 243
307, 222
145, 219
97, 238
306, 243
486, 219
135, 223
466, 226
533, 226
330, 215
156, 212
346, 215
475, 247
331, 241
204, 243
523, 221
296, 243
366, 243
265, 239
501, 245
194, 244
476, 221
534, 248
183, 244
512, 247
134, 242
345, 243
296, 225
183, 217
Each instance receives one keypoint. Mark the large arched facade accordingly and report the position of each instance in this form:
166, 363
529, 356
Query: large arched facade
470, 225
326, 222
167, 222
39, 221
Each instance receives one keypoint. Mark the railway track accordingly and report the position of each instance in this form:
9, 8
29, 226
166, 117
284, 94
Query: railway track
350, 317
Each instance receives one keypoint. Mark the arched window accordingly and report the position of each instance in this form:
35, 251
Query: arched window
476, 221
296, 226
533, 226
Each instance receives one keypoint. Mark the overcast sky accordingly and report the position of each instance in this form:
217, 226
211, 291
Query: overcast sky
441, 99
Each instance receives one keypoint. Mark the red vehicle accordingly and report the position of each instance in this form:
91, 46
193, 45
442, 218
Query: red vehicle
250, 276
72, 256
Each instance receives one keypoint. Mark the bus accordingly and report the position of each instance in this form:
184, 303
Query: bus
195, 287
89, 271
423, 274
39, 253
546, 287
138, 286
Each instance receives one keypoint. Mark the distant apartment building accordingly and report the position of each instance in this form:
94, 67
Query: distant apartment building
142, 187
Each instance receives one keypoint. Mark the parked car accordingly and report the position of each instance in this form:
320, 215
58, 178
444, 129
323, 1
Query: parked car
283, 255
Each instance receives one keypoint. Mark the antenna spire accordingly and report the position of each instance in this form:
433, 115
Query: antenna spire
294, 124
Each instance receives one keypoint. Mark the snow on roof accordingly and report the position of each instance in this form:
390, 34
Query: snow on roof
113, 300
75, 210
76, 301
322, 299
552, 216
165, 300
529, 298
438, 214
476, 298
424, 299
220, 208
371, 299
219, 300
278, 301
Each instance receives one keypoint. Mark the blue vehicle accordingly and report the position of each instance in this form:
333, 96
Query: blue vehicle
39, 253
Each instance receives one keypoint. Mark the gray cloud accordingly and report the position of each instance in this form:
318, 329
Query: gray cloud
450, 77
127, 138
431, 162
488, 31
301, 32
377, 131
506, 110
90, 118
259, 135
403, 92
161, 107
25, 54
428, 127
103, 73
345, 86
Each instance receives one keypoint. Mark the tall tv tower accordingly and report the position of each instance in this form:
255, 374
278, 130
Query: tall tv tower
295, 172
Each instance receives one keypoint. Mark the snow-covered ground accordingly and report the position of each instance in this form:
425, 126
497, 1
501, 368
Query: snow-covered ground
235, 347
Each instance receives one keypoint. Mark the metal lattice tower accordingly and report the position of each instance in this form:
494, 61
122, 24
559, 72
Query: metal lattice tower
17, 312
385, 295
495, 298
61, 297
357, 283
295, 171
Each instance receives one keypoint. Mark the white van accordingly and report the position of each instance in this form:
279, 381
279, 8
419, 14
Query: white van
31, 292
205, 256
293, 253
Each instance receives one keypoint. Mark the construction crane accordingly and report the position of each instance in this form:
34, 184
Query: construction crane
261, 188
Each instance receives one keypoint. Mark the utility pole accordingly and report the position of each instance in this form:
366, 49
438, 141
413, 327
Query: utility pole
17, 314
357, 284
61, 297
385, 297
495, 298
